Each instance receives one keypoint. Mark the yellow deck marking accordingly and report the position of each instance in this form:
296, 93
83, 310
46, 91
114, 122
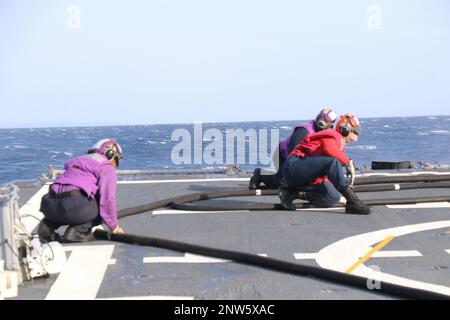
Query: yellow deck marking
380, 246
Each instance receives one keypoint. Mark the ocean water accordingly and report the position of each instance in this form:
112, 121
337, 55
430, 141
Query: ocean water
26, 153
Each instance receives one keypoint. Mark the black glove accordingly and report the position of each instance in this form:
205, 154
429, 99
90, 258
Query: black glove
351, 172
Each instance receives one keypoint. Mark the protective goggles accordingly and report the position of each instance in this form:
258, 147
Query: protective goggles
355, 124
356, 130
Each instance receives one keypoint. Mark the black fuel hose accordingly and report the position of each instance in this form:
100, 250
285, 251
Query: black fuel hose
384, 179
224, 193
276, 265
401, 186
182, 202
299, 206
376, 179
304, 205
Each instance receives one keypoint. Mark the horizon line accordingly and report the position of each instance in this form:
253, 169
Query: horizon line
118, 124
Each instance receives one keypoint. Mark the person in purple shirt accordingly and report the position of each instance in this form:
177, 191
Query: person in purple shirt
84, 196
324, 120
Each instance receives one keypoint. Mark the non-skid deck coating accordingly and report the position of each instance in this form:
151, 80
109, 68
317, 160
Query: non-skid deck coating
105, 270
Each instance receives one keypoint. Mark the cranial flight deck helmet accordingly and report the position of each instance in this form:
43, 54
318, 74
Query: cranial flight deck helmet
109, 148
347, 124
325, 119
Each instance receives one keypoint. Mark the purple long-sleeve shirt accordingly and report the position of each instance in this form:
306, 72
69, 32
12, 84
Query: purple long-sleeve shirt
93, 174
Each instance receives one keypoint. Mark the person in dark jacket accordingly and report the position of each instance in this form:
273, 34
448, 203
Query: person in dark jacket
324, 120
314, 169
84, 196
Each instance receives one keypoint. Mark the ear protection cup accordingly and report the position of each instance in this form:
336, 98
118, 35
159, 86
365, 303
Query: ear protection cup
109, 148
344, 131
110, 154
321, 125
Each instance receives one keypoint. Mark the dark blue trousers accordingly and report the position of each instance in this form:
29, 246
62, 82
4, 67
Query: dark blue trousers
73, 210
299, 172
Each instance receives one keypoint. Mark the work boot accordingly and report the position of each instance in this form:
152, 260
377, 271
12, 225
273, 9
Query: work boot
354, 205
46, 233
287, 197
255, 180
73, 235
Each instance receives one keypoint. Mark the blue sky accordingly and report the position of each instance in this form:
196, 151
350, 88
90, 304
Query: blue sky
178, 61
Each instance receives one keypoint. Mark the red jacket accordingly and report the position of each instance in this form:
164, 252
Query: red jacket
328, 143
324, 143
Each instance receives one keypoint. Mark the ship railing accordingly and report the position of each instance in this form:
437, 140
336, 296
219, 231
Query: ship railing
10, 265
229, 170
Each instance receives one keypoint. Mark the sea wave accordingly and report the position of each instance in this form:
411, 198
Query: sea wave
56, 153
363, 147
433, 132
19, 146
152, 142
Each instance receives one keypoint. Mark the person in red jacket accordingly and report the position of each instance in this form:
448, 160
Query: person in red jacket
314, 169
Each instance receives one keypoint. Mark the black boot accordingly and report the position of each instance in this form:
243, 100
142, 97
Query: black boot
287, 197
73, 235
255, 181
46, 233
354, 204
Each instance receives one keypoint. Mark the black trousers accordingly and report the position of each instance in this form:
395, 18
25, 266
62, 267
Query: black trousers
72, 208
274, 181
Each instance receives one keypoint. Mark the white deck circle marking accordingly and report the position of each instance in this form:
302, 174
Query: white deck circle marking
340, 255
